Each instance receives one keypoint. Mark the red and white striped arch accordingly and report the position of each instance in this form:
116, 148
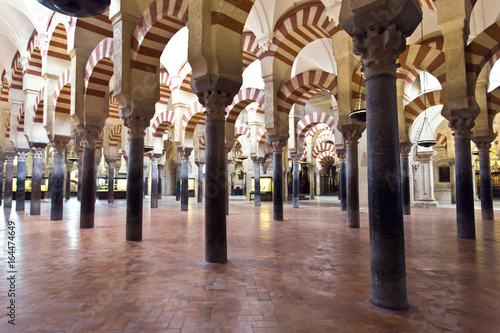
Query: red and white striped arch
161, 20
261, 135
17, 72
304, 85
427, 3
493, 99
99, 141
418, 58
38, 107
165, 92
163, 122
62, 94
322, 147
326, 137
115, 136
4, 94
114, 108
244, 98
99, 69
325, 154
483, 49
417, 106
194, 116
58, 43
241, 131
7, 128
441, 138
251, 49
185, 74
300, 26
96, 25
231, 14
313, 119
304, 155
318, 130
20, 121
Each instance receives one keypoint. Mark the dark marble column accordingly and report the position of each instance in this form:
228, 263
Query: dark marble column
352, 134
343, 181
67, 190
111, 179
312, 180
184, 153
296, 174
278, 179
137, 131
464, 186
404, 151
2, 162
88, 195
38, 150
155, 158
453, 179
57, 196
79, 186
379, 51
22, 154
49, 182
160, 180
215, 103
257, 162
9, 176
178, 169
485, 175
200, 180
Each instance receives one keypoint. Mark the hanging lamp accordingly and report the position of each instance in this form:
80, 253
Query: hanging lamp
73, 156
426, 137
77, 8
359, 113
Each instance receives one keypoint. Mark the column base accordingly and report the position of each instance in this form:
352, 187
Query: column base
426, 204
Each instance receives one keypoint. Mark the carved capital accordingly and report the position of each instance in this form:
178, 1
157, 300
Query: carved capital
184, 153
111, 162
414, 167
215, 103
380, 50
22, 154
296, 158
461, 127
89, 137
257, 161
59, 144
352, 137
483, 146
278, 146
405, 149
137, 126
155, 158
10, 157
342, 157
199, 164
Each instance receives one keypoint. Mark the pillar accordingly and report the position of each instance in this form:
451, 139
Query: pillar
9, 176
79, 186
21, 179
451, 163
463, 172
342, 181
155, 158
296, 184
160, 180
38, 149
2, 162
485, 178
200, 180
178, 168
67, 190
379, 50
311, 167
257, 162
57, 195
404, 152
89, 170
425, 183
137, 131
352, 134
184, 153
111, 179
277, 147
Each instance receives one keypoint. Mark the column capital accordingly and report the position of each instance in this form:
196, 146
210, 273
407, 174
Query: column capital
257, 160
184, 153
405, 149
342, 156
278, 146
380, 50
296, 158
10, 157
352, 133
110, 161
89, 136
199, 164
461, 127
22, 154
59, 144
137, 126
155, 158
215, 103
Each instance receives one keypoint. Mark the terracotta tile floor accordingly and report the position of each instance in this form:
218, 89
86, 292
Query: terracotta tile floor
306, 274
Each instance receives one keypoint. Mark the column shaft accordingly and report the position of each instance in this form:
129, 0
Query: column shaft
486, 189
257, 185
1, 183
184, 186
36, 186
387, 251
343, 187
160, 180
154, 184
352, 184
278, 186
464, 189
177, 184
21, 189
200, 183
57, 194
88, 195
79, 187
135, 189
111, 183
296, 184
9, 176
67, 189
405, 185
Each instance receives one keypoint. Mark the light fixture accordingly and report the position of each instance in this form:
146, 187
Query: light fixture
148, 148
426, 137
77, 8
359, 113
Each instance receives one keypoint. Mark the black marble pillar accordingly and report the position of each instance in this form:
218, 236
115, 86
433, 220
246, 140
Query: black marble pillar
405, 149
21, 180
178, 182
387, 250
49, 185
226, 175
9, 176
200, 181
485, 184
135, 188
67, 189
184, 186
111, 181
79, 186
278, 180
57, 195
2, 162
463, 173
296, 173
154, 182
352, 133
342, 182
36, 180
160, 180
257, 184
88, 195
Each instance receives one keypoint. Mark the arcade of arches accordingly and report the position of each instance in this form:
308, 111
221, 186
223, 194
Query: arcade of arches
129, 139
